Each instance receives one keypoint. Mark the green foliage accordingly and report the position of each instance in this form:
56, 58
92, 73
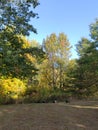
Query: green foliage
11, 90
87, 70
17, 14
37, 94
82, 46
87, 75
17, 57
94, 31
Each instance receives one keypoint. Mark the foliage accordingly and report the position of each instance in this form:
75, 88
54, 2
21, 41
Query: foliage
57, 49
94, 31
87, 71
11, 90
37, 94
17, 57
30, 72
82, 46
17, 14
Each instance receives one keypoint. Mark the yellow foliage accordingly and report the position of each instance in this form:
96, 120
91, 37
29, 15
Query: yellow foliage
30, 58
12, 87
26, 43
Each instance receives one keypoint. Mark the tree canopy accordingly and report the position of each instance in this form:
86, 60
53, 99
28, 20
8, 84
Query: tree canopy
87, 70
17, 56
17, 14
44, 72
57, 49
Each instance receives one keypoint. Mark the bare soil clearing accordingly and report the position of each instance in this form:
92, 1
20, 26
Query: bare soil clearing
77, 115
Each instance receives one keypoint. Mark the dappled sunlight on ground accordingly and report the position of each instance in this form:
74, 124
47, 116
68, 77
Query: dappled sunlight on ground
82, 104
85, 107
90, 107
81, 126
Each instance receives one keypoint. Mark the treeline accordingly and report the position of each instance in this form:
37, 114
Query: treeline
35, 72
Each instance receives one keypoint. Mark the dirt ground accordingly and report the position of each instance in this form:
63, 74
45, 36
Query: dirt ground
77, 115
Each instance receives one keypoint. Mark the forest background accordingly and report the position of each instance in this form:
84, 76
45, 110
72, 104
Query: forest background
33, 72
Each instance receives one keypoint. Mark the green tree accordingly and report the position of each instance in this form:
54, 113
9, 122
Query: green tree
17, 57
94, 31
82, 46
87, 70
17, 14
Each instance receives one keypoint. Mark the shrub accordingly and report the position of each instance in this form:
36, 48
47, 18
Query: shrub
44, 95
11, 90
36, 94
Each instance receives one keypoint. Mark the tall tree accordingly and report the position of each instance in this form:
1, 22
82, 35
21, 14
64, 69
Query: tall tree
63, 55
17, 14
87, 71
57, 49
50, 47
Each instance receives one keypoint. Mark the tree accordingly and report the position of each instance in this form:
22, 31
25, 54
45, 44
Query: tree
86, 75
94, 31
50, 47
34, 43
18, 58
87, 70
57, 49
63, 55
82, 46
17, 14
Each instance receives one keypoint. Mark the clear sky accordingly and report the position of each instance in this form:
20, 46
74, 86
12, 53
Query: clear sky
72, 17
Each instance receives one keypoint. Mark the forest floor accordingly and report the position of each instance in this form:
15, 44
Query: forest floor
76, 115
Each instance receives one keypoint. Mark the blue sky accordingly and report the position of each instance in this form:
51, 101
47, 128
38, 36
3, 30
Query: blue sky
72, 17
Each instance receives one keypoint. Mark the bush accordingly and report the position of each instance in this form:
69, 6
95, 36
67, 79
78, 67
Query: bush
36, 94
11, 90
44, 95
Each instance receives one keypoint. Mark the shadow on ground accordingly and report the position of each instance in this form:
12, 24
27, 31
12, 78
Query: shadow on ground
51, 116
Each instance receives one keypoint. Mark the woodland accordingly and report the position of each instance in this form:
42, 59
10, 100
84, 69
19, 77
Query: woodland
32, 72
